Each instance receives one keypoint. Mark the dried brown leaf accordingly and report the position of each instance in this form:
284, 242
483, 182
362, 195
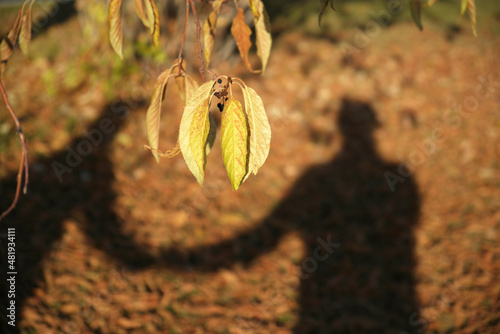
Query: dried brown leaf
241, 33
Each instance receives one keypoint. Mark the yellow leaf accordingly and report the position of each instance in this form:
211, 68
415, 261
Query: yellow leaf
191, 86
154, 111
463, 6
241, 33
156, 25
471, 8
150, 16
186, 86
263, 33
234, 140
181, 87
141, 12
194, 130
259, 130
253, 8
25, 32
115, 25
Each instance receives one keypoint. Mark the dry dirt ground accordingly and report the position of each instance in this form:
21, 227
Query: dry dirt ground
122, 244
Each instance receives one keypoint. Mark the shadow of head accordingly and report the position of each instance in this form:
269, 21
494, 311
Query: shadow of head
357, 119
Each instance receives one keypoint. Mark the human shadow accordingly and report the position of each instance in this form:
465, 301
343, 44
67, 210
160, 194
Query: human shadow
357, 271
74, 183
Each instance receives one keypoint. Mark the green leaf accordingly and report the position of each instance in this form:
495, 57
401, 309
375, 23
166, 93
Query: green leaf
263, 33
194, 130
234, 140
259, 130
154, 111
25, 32
115, 26
415, 9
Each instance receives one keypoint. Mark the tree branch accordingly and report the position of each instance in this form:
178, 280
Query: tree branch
23, 165
200, 48
179, 59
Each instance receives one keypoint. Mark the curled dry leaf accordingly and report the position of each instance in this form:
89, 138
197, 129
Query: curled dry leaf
115, 25
415, 9
7, 44
263, 34
154, 112
194, 130
234, 137
209, 31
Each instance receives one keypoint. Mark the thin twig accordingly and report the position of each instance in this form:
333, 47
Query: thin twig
23, 165
198, 33
179, 59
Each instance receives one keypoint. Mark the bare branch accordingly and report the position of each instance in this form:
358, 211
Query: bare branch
179, 59
198, 33
23, 165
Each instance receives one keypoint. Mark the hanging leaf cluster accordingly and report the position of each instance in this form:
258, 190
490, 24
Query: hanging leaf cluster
242, 33
416, 11
245, 132
469, 5
147, 12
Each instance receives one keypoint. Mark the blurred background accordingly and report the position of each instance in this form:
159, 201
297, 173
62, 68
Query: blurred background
377, 210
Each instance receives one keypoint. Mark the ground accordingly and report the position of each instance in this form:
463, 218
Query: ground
118, 246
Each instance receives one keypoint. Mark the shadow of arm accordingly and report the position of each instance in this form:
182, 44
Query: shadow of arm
243, 248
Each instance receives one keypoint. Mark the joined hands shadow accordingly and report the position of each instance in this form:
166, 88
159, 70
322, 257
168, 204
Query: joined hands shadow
359, 231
